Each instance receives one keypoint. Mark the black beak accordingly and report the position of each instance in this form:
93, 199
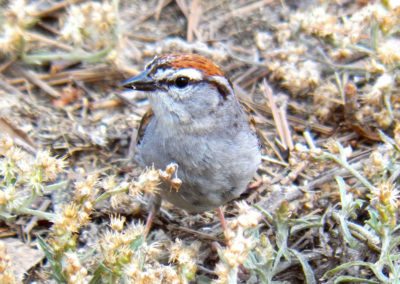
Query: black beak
141, 82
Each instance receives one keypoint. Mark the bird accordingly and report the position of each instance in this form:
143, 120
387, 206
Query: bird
196, 122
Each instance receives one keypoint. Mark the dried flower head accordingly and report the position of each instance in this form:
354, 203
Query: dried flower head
48, 165
386, 193
11, 39
148, 182
397, 133
91, 24
6, 271
377, 163
73, 269
17, 18
385, 199
318, 22
19, 13
388, 51
382, 86
185, 258
117, 223
67, 220
86, 190
326, 98
248, 217
116, 246
120, 199
6, 143
296, 77
374, 67
383, 118
239, 242
109, 183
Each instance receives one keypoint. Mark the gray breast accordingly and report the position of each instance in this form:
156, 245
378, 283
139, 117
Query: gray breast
214, 169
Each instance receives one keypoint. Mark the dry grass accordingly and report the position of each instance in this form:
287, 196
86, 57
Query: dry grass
321, 79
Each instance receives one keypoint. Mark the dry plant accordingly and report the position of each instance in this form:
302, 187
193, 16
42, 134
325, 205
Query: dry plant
24, 179
6, 273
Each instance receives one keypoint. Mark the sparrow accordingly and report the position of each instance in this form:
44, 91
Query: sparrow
196, 122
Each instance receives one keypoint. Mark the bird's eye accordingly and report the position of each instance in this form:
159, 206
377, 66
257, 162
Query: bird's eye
181, 82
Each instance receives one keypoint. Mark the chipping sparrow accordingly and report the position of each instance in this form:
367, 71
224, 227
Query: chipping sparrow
196, 122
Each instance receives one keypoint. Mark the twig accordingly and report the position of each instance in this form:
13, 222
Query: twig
159, 8
294, 173
89, 75
184, 8
49, 41
72, 56
34, 79
193, 20
173, 227
287, 135
148, 15
244, 10
326, 130
273, 147
55, 8
19, 137
275, 113
4, 83
6, 64
271, 160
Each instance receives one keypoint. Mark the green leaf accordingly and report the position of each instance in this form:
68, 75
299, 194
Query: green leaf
137, 243
350, 264
351, 279
55, 265
56, 186
265, 213
308, 273
99, 273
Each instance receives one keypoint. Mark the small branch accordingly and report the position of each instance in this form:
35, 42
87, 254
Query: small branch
49, 41
72, 56
55, 8
275, 113
34, 79
348, 167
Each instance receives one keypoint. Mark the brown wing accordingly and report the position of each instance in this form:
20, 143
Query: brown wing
252, 123
137, 135
143, 125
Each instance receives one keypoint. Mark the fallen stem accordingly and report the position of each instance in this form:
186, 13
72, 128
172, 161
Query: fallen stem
72, 56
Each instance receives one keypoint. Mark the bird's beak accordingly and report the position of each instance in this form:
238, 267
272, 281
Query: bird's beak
141, 82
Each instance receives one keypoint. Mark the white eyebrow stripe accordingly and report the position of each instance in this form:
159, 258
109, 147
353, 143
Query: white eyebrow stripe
171, 74
191, 73
222, 81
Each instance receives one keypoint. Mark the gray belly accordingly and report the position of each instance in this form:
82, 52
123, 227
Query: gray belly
213, 170
198, 199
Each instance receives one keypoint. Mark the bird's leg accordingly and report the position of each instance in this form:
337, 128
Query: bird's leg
154, 208
220, 212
